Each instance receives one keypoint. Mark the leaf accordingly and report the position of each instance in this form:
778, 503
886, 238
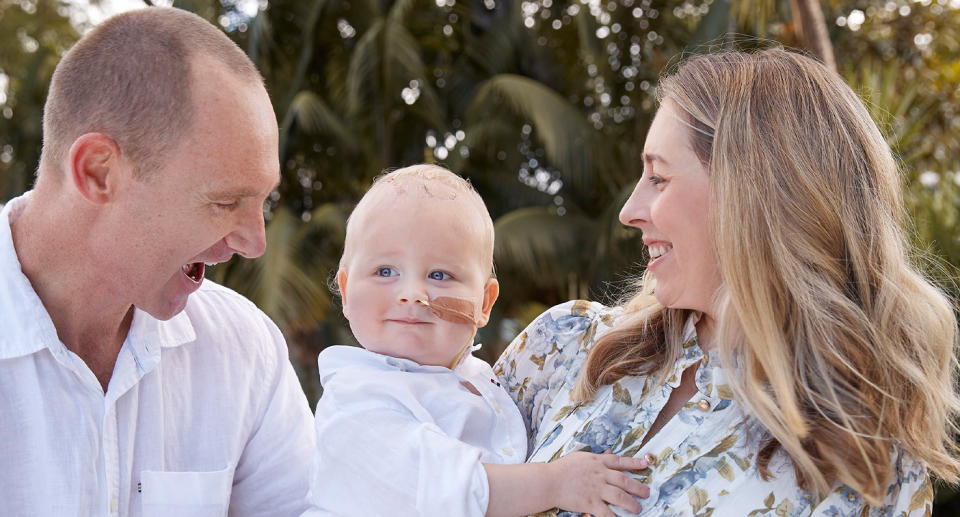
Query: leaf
725, 392
769, 500
724, 445
570, 142
316, 118
713, 25
621, 394
698, 498
725, 470
743, 463
538, 360
537, 244
922, 496
784, 508
564, 411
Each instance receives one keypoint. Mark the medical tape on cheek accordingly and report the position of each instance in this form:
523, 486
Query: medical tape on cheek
455, 310
452, 309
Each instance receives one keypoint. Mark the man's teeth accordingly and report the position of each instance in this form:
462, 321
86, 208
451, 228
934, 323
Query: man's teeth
658, 249
193, 271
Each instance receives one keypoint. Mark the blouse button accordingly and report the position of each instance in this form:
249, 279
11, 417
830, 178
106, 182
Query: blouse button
704, 405
651, 459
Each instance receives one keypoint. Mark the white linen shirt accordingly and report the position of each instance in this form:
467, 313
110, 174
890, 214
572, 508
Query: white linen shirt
203, 414
398, 438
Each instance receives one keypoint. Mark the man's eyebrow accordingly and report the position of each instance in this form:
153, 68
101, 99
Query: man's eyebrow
653, 157
241, 192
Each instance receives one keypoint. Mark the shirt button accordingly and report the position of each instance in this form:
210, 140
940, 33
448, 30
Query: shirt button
704, 405
113, 506
508, 451
651, 459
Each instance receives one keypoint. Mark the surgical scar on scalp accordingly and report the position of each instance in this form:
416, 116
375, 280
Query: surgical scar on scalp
454, 310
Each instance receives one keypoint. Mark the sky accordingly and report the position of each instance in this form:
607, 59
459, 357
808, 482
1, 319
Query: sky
87, 13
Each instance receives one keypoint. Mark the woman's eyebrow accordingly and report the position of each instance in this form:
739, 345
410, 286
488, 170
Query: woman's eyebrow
653, 157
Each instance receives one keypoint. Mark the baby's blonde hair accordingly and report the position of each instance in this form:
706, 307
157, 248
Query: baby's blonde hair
430, 182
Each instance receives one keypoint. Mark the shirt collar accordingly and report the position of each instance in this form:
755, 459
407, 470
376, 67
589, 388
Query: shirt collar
711, 376
333, 358
27, 325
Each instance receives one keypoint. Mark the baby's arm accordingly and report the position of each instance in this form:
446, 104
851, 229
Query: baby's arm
579, 482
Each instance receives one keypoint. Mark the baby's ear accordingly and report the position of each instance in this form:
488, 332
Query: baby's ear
342, 287
491, 290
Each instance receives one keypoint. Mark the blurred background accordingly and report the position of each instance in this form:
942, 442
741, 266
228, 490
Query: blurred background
542, 104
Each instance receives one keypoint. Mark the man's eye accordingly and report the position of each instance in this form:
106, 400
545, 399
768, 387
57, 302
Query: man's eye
386, 271
227, 206
439, 275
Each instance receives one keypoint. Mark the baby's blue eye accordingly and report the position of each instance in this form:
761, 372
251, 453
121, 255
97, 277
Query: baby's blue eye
438, 275
386, 271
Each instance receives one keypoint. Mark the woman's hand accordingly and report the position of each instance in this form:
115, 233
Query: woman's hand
586, 483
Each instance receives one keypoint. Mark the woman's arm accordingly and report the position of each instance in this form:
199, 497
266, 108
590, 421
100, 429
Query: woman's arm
580, 482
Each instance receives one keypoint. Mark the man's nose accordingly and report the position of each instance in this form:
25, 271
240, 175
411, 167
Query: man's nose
249, 239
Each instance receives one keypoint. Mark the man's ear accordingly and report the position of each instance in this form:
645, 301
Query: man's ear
491, 290
342, 286
96, 167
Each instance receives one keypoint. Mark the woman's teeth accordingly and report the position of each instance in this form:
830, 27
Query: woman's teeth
658, 249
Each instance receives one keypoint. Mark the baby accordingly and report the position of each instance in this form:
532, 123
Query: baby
412, 423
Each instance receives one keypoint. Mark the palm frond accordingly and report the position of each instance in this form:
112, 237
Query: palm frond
316, 118
537, 244
363, 73
261, 36
563, 131
290, 288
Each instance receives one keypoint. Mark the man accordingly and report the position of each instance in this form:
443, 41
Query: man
128, 385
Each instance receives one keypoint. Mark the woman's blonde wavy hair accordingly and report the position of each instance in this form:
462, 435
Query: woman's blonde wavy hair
844, 351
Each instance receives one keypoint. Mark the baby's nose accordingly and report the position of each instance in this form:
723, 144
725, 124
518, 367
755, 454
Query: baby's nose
411, 292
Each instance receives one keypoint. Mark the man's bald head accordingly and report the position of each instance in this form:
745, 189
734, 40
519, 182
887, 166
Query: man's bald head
130, 78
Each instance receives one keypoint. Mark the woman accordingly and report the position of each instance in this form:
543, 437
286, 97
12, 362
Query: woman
782, 355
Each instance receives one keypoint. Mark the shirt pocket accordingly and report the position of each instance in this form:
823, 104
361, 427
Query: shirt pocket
185, 494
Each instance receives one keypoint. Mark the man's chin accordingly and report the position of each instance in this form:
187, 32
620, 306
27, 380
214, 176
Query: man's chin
167, 308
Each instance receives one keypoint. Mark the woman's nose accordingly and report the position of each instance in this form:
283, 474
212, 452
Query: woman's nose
636, 210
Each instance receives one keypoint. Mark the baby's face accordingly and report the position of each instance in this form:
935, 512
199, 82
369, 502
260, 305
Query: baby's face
406, 249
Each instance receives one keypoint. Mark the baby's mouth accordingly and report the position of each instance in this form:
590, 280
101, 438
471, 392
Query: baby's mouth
194, 271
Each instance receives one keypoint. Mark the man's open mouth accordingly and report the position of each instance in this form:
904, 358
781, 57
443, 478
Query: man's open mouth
194, 271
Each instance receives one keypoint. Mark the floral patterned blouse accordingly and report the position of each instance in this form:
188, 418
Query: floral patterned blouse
702, 462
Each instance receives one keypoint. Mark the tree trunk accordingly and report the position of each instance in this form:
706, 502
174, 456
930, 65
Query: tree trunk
808, 17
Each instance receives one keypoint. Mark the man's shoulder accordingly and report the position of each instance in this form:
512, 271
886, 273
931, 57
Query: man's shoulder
219, 313
217, 302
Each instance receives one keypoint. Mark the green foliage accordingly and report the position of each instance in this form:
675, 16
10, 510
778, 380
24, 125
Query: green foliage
542, 104
33, 35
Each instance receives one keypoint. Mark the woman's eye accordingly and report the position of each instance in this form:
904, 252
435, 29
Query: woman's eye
655, 180
386, 271
438, 275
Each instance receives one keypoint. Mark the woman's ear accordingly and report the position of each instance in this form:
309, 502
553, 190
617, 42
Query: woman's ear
491, 290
